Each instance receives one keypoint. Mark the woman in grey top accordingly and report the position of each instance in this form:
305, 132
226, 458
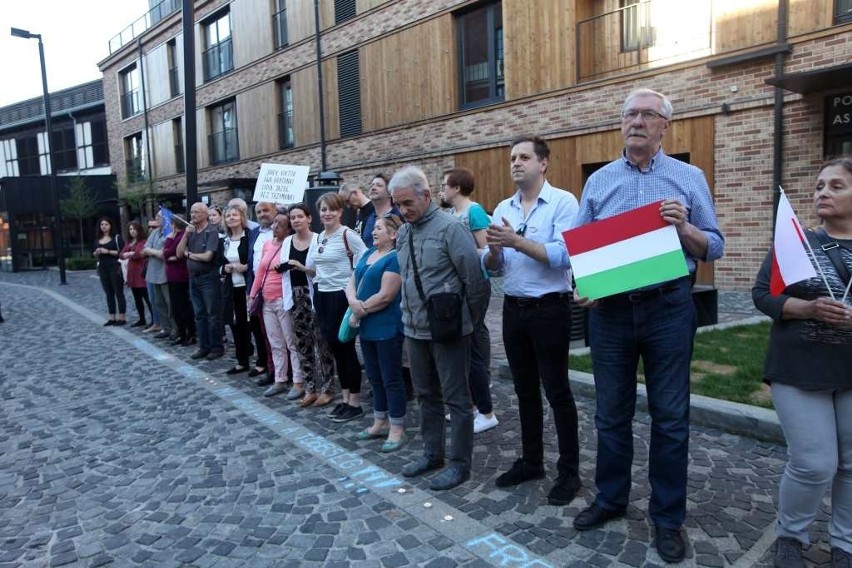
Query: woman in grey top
809, 365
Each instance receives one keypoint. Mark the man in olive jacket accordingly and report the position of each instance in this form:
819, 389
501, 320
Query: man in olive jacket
447, 261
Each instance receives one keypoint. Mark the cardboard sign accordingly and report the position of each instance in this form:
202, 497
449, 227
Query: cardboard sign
280, 183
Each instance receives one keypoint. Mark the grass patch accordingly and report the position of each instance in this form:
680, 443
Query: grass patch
726, 364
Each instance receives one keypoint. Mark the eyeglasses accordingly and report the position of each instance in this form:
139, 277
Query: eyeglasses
522, 230
322, 245
646, 114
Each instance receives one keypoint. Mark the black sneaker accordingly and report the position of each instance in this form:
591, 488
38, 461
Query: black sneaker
348, 413
338, 408
564, 490
521, 471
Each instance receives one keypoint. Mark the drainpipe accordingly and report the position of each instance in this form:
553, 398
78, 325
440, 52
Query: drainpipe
145, 112
190, 145
778, 128
320, 87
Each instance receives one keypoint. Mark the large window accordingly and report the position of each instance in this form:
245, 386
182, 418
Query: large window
8, 158
28, 155
218, 54
842, 11
172, 55
64, 147
129, 83
286, 134
279, 24
636, 30
91, 144
134, 156
224, 144
480, 38
177, 136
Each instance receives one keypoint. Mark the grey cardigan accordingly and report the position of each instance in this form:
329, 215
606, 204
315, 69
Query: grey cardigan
447, 261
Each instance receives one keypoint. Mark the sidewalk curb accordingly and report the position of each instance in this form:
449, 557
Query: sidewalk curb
731, 417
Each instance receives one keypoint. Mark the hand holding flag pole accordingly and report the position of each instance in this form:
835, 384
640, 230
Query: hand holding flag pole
790, 262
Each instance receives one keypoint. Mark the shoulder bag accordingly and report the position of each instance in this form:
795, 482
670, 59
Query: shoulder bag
443, 309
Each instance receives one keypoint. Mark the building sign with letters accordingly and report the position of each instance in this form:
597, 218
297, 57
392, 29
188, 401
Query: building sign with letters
838, 114
281, 183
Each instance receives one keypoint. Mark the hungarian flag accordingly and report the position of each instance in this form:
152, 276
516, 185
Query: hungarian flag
790, 262
624, 252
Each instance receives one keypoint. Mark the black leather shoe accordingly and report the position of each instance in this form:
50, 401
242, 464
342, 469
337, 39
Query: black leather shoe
451, 477
594, 517
521, 471
200, 354
670, 545
563, 491
255, 371
422, 465
215, 354
264, 381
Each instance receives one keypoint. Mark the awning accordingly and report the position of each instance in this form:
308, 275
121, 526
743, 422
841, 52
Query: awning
826, 79
228, 183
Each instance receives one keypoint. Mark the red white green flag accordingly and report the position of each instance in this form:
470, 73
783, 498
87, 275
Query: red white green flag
624, 252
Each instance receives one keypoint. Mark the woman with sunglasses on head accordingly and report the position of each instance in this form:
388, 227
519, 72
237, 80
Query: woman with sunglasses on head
236, 273
108, 250
331, 259
374, 298
297, 311
136, 261
215, 218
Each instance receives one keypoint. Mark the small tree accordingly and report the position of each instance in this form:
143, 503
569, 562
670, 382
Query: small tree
135, 195
80, 205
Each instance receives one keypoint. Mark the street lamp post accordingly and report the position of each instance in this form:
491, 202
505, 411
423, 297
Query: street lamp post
54, 188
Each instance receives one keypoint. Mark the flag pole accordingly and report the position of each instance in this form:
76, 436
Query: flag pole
846, 293
813, 256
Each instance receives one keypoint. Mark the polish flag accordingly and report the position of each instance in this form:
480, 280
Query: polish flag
790, 262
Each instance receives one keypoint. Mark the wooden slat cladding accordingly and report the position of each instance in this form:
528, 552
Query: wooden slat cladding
251, 21
157, 65
163, 149
744, 23
410, 75
257, 120
540, 54
810, 16
300, 20
568, 155
306, 104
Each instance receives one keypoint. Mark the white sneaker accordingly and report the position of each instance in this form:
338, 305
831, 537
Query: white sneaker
482, 423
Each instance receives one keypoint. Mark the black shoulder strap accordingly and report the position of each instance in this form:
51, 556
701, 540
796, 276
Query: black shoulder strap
832, 250
417, 281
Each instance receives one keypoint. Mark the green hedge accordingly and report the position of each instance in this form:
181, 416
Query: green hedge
81, 263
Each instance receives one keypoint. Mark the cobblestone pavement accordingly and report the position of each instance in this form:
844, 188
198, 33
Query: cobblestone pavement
118, 449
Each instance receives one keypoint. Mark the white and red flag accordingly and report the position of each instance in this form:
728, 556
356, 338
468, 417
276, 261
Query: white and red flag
790, 261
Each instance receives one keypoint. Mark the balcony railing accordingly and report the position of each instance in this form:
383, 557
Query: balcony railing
286, 135
655, 33
224, 146
130, 105
154, 15
179, 163
135, 170
174, 82
218, 60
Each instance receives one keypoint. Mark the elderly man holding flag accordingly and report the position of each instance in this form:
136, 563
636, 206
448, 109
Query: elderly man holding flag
803, 285
653, 318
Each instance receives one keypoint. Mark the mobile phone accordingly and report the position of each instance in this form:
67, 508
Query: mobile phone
283, 267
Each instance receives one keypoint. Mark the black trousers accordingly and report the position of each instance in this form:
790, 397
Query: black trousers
140, 297
537, 335
182, 309
112, 281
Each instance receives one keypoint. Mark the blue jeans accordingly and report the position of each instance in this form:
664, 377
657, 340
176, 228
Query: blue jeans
205, 291
383, 365
155, 317
660, 329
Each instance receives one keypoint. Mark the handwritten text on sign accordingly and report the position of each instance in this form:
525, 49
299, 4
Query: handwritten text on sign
280, 183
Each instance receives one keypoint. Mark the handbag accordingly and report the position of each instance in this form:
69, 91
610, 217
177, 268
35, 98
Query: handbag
256, 306
443, 310
346, 332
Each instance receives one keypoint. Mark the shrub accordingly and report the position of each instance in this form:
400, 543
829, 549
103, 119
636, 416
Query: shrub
81, 263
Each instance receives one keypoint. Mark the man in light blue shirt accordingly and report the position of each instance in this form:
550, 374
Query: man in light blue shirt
656, 323
525, 242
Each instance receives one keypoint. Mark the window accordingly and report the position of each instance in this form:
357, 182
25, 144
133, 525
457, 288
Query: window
134, 155
842, 11
64, 147
349, 94
636, 30
28, 155
480, 37
218, 54
177, 136
172, 55
286, 134
343, 10
279, 24
8, 159
91, 144
129, 83
224, 145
